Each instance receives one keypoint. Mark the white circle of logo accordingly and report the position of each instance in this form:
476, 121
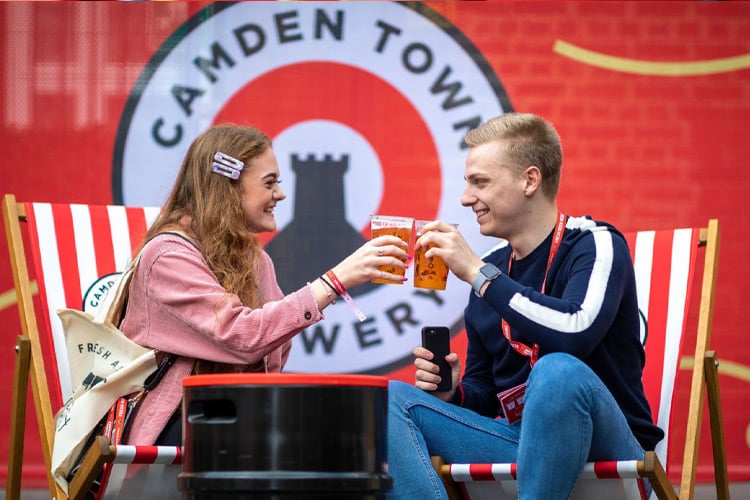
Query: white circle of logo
97, 294
383, 92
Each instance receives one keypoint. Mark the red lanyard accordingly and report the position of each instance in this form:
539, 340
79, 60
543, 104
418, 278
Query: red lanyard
520, 347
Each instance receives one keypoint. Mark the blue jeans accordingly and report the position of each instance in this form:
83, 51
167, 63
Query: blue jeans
570, 418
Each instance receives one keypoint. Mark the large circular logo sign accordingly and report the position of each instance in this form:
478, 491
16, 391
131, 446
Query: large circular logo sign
366, 104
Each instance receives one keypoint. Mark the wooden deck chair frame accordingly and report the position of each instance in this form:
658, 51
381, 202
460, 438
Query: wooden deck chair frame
30, 363
704, 382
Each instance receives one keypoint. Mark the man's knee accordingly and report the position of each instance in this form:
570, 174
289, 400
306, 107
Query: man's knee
398, 392
557, 373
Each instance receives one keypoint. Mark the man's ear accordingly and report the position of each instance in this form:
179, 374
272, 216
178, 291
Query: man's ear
533, 180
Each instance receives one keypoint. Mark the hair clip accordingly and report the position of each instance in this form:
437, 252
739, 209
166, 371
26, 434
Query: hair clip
227, 166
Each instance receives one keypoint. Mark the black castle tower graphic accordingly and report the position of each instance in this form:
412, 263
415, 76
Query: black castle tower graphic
319, 236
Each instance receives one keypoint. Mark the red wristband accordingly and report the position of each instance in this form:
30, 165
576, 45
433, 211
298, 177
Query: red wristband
340, 289
344, 295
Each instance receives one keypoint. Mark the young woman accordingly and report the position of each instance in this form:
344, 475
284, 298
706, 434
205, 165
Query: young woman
205, 290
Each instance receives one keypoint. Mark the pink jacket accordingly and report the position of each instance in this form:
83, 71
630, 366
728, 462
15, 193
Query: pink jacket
177, 305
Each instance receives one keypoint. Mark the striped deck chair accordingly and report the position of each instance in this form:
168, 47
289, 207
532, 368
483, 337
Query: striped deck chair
665, 264
74, 251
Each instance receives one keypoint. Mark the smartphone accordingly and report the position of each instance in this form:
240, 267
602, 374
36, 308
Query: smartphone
437, 339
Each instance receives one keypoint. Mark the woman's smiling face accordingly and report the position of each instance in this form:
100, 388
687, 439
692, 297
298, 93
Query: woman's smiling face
259, 185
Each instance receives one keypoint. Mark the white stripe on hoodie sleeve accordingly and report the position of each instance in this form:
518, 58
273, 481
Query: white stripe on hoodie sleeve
592, 302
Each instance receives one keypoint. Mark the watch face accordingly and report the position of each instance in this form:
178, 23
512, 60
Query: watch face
490, 271
486, 273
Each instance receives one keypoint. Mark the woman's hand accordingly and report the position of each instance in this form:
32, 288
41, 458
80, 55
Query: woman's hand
364, 264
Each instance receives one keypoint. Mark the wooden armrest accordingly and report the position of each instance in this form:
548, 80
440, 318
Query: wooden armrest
652, 470
711, 371
444, 473
91, 465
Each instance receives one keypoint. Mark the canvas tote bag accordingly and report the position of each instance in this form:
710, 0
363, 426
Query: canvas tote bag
105, 365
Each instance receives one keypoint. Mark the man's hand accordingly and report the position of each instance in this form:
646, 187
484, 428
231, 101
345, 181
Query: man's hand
450, 246
426, 376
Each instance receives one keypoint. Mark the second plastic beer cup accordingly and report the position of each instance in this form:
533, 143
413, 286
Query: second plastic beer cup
396, 226
428, 273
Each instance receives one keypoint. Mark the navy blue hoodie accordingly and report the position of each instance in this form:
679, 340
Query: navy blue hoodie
589, 310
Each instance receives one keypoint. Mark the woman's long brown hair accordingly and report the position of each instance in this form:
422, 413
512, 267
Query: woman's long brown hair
212, 203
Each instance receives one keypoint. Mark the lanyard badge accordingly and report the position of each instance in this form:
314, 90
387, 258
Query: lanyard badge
512, 401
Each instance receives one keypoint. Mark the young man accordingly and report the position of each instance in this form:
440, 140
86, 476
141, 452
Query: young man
553, 312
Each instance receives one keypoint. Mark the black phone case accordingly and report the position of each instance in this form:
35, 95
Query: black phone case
437, 340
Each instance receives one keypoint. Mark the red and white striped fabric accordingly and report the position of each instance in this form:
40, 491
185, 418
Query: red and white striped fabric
664, 264
144, 472
498, 481
73, 247
77, 251
127, 454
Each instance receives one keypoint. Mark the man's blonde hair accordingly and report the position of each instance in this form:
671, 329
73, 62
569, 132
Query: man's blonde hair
527, 140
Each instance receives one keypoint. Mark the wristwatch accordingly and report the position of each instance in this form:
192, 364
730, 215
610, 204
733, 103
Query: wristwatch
487, 272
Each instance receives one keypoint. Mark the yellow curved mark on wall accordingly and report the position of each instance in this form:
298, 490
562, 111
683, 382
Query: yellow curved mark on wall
8, 298
730, 368
635, 66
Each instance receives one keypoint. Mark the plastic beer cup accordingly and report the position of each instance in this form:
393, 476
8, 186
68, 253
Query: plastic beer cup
428, 273
396, 226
